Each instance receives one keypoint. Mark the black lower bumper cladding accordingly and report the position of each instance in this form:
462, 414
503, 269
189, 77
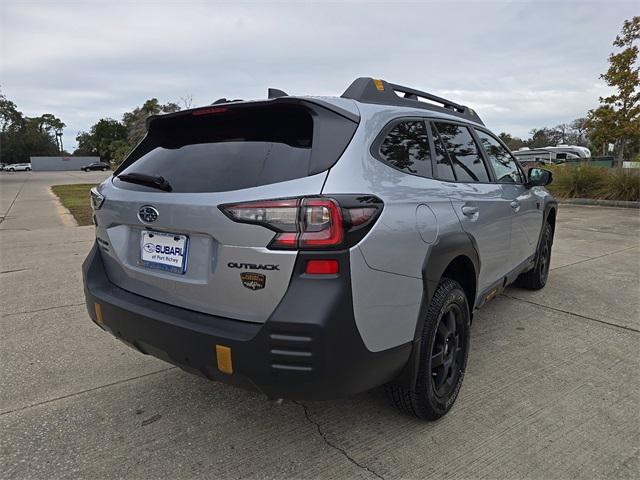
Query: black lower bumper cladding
308, 349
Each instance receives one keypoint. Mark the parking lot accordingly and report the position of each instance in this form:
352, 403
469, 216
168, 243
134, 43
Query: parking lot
552, 388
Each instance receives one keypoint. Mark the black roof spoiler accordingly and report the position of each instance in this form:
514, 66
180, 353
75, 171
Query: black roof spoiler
380, 92
223, 102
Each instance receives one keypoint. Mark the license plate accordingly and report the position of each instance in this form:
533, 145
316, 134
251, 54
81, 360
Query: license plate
164, 251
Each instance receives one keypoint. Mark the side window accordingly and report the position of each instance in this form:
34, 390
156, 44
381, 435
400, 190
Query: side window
406, 147
503, 163
463, 152
444, 170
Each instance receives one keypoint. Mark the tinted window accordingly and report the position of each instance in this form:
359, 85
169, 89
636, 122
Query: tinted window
406, 147
443, 165
463, 152
228, 149
503, 163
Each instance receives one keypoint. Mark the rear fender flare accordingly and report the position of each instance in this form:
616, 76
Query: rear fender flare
550, 205
438, 258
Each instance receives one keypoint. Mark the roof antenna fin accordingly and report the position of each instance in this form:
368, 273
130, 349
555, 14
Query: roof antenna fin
275, 93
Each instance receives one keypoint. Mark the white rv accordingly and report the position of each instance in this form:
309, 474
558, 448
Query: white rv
557, 154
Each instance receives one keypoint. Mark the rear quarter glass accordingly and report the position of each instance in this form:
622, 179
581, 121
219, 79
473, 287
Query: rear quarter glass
240, 147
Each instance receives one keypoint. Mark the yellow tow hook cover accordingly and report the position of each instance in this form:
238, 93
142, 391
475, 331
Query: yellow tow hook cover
98, 309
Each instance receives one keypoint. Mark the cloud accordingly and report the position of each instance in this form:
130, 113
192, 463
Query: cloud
519, 64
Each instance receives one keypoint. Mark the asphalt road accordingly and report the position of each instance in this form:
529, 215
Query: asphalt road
552, 388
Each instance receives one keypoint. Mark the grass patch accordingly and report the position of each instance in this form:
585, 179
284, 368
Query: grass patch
76, 199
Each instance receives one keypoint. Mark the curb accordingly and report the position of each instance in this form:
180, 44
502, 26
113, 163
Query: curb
65, 215
599, 203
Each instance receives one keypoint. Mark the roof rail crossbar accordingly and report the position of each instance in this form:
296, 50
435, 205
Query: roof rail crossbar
369, 90
417, 94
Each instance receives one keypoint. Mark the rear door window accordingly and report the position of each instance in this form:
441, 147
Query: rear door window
444, 170
463, 152
503, 163
406, 147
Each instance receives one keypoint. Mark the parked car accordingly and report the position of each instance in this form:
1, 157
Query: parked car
17, 167
96, 166
316, 247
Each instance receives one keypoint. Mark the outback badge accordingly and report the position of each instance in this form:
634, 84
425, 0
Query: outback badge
253, 281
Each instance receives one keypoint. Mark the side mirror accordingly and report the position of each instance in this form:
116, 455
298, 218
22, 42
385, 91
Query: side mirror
539, 177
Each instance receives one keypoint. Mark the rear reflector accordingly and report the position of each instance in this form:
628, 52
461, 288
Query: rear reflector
223, 358
322, 267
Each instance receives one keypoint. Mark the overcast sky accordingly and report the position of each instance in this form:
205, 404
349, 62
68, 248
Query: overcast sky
520, 64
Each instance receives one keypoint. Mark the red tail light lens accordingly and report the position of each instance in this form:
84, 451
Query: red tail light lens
309, 223
321, 223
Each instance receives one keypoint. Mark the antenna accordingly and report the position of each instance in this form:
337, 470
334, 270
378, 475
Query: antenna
275, 93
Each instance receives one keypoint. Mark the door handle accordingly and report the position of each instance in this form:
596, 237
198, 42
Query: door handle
470, 211
515, 205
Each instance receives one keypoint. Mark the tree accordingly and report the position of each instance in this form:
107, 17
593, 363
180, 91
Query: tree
545, 137
578, 132
103, 139
51, 125
113, 140
135, 121
10, 117
22, 137
617, 120
561, 132
514, 143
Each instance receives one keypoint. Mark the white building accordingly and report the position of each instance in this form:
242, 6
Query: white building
61, 163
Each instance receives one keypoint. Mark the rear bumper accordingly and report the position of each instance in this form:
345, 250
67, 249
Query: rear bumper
309, 349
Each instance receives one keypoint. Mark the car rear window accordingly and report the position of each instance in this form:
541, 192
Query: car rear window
406, 147
229, 148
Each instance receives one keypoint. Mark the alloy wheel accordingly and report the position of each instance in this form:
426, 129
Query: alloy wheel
447, 352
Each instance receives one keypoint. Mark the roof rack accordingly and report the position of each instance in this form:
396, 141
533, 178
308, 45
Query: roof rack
226, 100
380, 92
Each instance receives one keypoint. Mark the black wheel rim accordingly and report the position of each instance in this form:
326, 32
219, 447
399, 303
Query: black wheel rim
447, 352
545, 254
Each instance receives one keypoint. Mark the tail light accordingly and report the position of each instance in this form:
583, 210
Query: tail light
97, 199
309, 223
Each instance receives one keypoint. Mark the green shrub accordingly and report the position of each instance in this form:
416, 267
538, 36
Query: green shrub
585, 181
622, 184
581, 181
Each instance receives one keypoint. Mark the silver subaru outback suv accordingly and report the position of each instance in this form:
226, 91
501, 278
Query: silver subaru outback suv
317, 247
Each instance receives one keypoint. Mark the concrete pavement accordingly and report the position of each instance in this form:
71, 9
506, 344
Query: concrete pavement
552, 388
26, 202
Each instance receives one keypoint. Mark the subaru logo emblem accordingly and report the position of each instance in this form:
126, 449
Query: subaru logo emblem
148, 214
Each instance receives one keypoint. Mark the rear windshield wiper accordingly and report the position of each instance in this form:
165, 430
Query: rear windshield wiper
147, 180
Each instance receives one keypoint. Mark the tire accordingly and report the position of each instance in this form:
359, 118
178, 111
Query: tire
445, 338
86, 170
28, 169
536, 278
104, 169
12, 169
